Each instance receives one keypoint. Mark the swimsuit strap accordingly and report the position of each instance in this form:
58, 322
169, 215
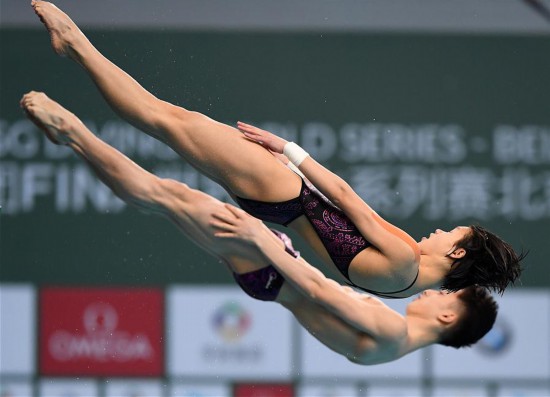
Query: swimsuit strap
387, 295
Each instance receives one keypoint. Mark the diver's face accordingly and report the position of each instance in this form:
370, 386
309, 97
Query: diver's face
441, 242
433, 302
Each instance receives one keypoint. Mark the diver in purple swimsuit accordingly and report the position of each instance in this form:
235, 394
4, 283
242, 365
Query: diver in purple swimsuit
350, 238
265, 265
339, 235
342, 227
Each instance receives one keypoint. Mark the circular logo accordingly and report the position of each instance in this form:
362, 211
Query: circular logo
497, 340
231, 321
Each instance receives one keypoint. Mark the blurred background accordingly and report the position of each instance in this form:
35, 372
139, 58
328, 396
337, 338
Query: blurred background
436, 112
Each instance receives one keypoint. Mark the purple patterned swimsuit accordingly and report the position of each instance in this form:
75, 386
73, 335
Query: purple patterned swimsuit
339, 235
264, 284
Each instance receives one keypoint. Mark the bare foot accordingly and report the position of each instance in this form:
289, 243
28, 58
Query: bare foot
56, 121
64, 33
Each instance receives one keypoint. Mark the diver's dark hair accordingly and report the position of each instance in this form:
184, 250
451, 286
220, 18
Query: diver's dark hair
489, 262
480, 312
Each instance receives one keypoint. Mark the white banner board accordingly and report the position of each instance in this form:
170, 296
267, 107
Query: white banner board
17, 329
221, 331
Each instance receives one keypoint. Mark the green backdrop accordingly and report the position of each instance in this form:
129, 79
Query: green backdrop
433, 131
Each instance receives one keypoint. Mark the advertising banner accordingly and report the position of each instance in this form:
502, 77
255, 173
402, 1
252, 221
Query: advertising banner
263, 390
525, 391
201, 390
101, 331
329, 389
133, 388
15, 389
427, 138
49, 387
444, 390
517, 347
395, 391
220, 331
17, 329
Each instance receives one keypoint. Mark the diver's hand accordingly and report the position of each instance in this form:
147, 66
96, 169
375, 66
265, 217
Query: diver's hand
236, 224
265, 138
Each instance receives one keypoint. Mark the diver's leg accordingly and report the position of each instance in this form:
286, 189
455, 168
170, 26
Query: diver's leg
123, 93
125, 178
190, 209
219, 151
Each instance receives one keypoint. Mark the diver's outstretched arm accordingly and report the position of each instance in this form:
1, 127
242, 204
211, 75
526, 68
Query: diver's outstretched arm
367, 315
396, 245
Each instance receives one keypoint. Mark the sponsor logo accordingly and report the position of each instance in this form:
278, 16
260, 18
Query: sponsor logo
498, 340
101, 341
231, 321
101, 331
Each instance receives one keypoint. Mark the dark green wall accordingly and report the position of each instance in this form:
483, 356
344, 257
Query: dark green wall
408, 84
